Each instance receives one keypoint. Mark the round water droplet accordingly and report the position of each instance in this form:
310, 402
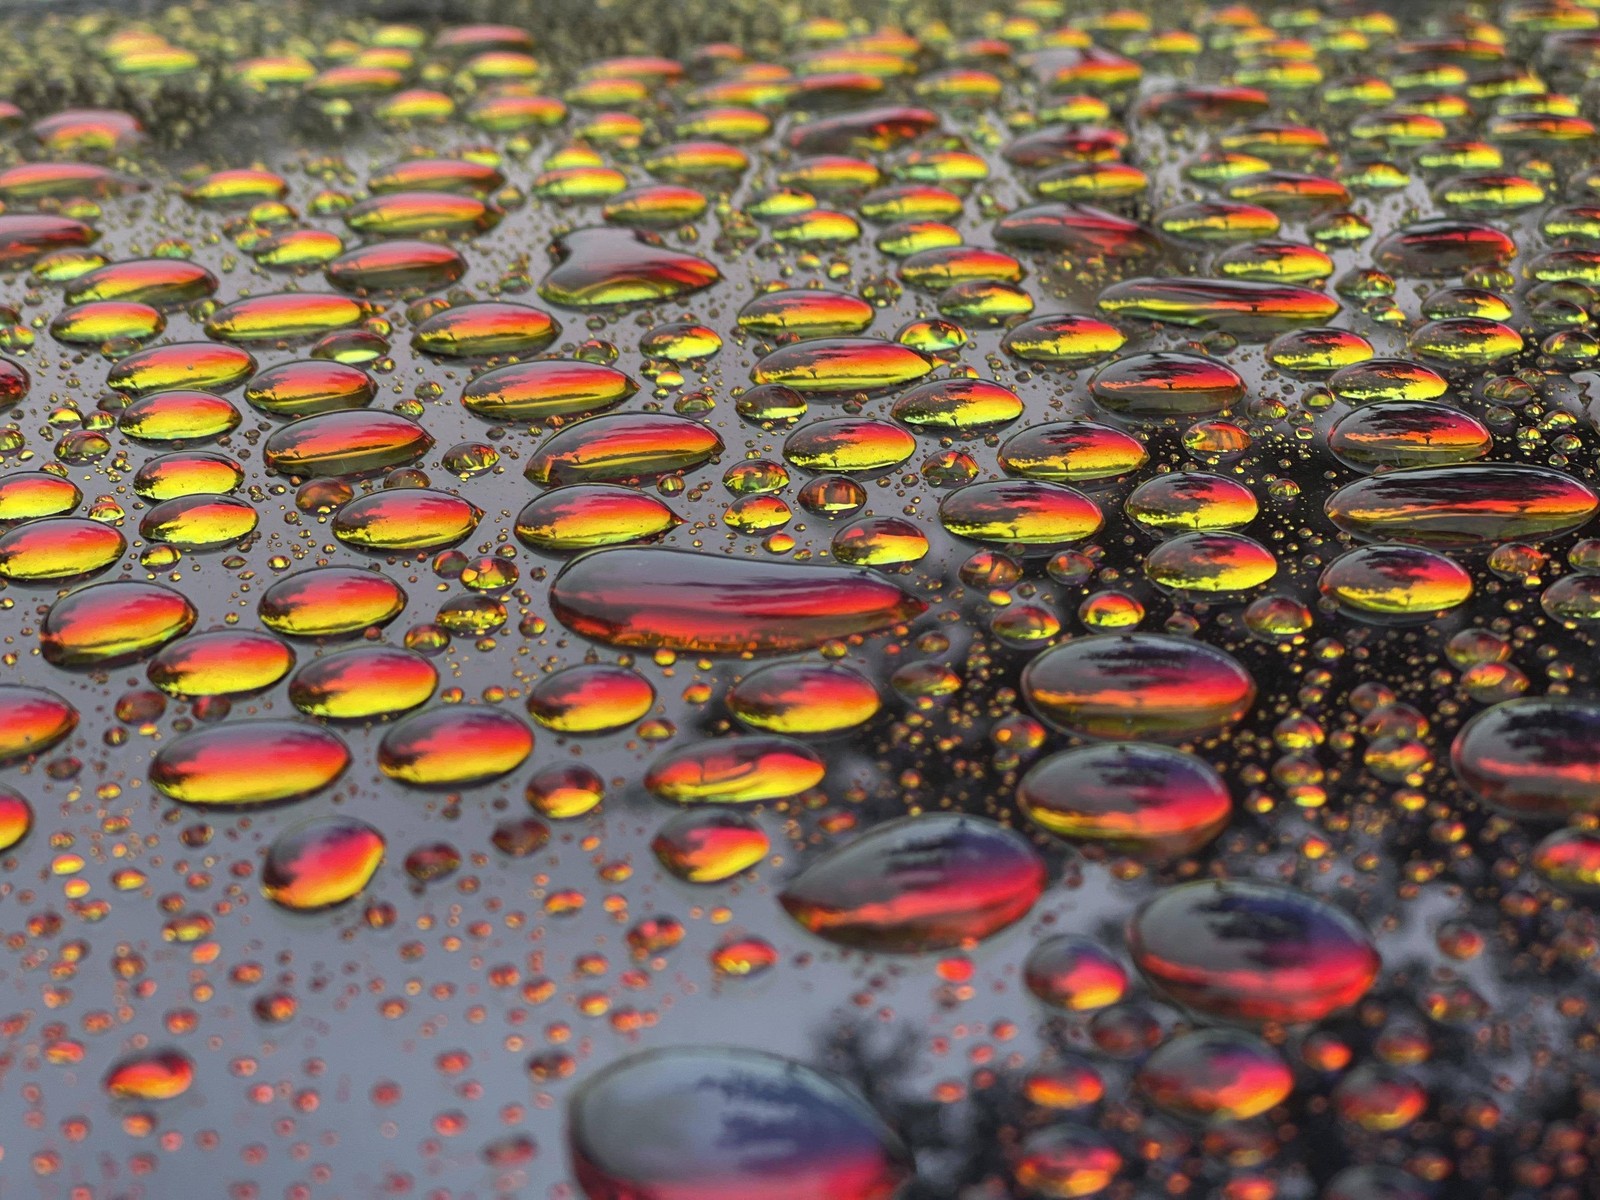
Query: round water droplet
1074, 973
321, 863
1216, 1075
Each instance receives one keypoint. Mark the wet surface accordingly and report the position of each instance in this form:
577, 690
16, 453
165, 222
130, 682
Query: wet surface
978, 604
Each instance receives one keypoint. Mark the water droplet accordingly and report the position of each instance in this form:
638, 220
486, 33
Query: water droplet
1252, 952
918, 884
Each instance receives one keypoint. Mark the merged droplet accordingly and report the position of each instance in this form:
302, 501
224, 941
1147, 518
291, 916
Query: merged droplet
680, 600
1469, 505
709, 845
736, 770
602, 267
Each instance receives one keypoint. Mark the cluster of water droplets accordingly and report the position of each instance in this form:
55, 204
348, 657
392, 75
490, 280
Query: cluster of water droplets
992, 608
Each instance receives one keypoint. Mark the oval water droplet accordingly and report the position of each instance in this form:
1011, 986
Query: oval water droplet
1131, 797
625, 448
585, 516
32, 720
454, 747
57, 549
321, 863
1469, 505
256, 762
352, 442
330, 601
917, 884
108, 624
533, 391
362, 683
1252, 952
590, 698
688, 1121
1533, 757
1125, 687
405, 519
